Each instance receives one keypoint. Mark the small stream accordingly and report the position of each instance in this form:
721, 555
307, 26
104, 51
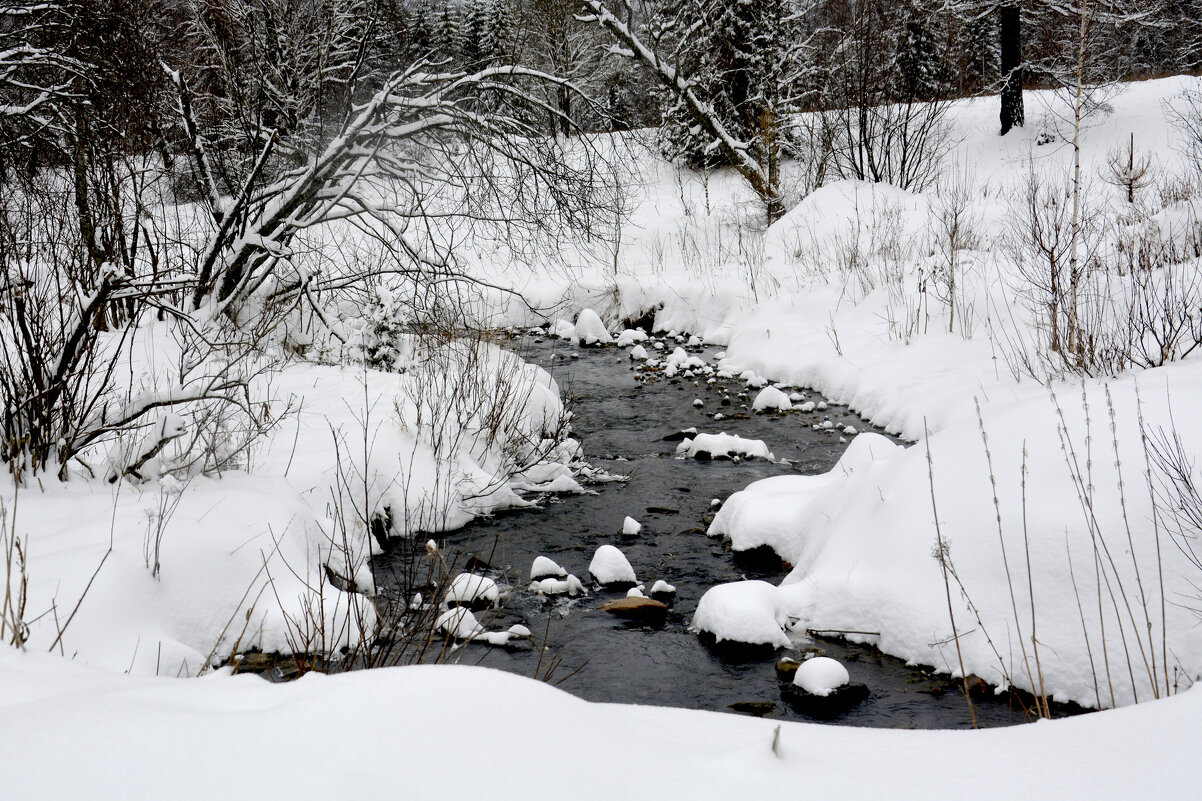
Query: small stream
621, 423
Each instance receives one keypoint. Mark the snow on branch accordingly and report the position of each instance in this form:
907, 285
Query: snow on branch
703, 114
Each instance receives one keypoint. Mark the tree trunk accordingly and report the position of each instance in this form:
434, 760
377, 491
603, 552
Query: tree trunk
1011, 46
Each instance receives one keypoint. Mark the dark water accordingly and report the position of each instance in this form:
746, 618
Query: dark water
620, 422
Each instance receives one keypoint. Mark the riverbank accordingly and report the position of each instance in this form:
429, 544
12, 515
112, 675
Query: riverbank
455, 732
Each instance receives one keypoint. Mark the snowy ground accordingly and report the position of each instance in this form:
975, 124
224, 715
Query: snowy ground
241, 558
828, 297
455, 732
831, 297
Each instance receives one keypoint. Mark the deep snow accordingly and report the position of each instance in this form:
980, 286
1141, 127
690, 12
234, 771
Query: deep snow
452, 732
861, 538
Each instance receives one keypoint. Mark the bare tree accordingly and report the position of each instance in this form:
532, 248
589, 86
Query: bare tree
92, 257
888, 123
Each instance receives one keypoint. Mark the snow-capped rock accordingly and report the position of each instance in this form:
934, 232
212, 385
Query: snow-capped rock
569, 585
590, 330
662, 591
821, 675
747, 612
610, 568
473, 591
723, 446
562, 329
543, 567
630, 336
771, 398
458, 623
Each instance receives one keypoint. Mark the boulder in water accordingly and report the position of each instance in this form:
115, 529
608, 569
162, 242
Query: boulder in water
821, 687
827, 706
589, 330
642, 610
787, 668
472, 591
663, 591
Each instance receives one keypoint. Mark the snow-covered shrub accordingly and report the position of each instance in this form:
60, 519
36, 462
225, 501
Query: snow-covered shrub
384, 328
1056, 248
1129, 295
955, 225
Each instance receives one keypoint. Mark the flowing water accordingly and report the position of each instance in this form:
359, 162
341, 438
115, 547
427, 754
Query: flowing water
621, 423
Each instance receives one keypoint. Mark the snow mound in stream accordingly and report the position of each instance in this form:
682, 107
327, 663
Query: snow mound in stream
590, 330
748, 612
562, 329
468, 588
609, 566
459, 623
771, 398
821, 675
724, 446
545, 567
631, 336
773, 511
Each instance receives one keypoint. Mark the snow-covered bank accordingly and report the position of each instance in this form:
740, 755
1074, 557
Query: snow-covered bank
864, 543
844, 294
829, 296
180, 570
453, 732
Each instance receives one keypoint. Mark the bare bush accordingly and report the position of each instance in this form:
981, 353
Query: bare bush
896, 143
1185, 113
955, 228
1178, 493
1162, 301
1057, 237
14, 629
1127, 171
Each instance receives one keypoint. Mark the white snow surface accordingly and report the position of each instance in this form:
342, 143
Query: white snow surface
78, 732
590, 330
771, 398
230, 538
821, 675
724, 445
774, 511
864, 548
630, 526
609, 565
748, 612
861, 537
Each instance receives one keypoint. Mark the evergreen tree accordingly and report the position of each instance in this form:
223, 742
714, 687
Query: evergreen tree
501, 30
739, 57
446, 44
475, 46
422, 30
920, 68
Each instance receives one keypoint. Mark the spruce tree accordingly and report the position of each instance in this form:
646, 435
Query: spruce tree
447, 33
475, 45
737, 55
